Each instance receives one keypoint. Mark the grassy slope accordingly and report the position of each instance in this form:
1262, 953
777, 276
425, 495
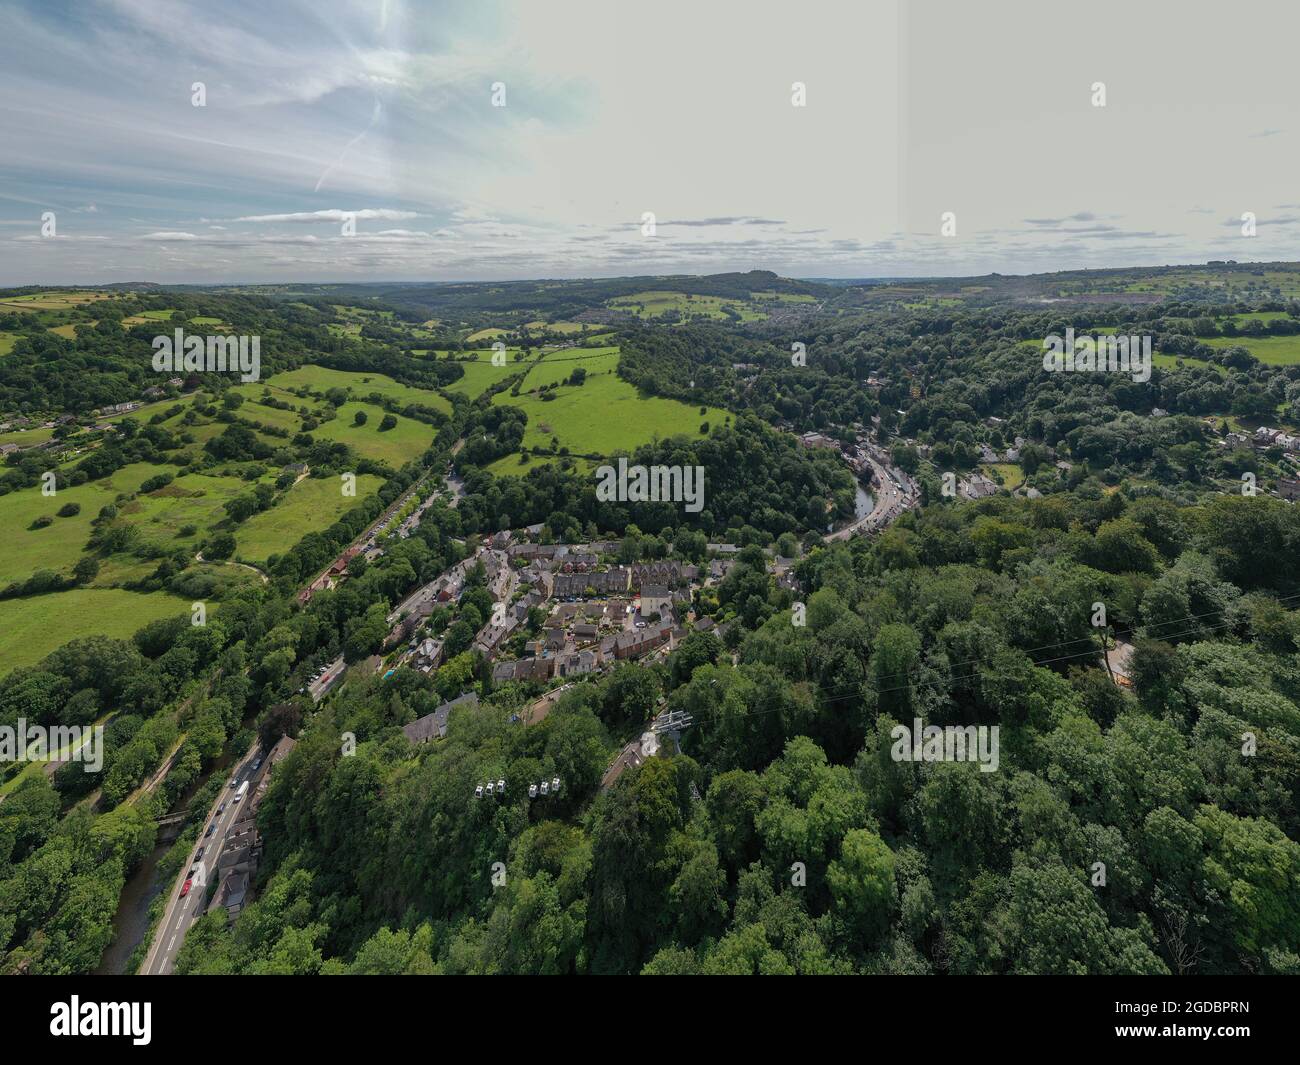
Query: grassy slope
606, 414
58, 546
321, 378
311, 504
33, 627
1276, 351
396, 446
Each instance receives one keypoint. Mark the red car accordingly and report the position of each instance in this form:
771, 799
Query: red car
185, 888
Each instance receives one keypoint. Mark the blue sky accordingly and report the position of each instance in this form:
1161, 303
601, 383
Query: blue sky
384, 111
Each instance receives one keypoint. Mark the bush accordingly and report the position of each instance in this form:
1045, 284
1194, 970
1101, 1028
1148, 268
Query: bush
154, 483
69, 510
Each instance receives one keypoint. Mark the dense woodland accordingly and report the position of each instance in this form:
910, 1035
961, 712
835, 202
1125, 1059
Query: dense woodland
382, 862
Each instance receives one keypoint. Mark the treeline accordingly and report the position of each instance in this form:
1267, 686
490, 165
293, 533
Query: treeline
107, 364
525, 300
752, 476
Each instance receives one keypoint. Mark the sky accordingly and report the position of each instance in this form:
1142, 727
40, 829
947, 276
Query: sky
448, 141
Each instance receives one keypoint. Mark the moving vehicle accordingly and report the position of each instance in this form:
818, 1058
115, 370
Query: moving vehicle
211, 828
198, 855
243, 790
185, 888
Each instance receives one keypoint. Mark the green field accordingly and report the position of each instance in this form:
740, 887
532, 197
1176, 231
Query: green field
1170, 362
1286, 282
653, 304
255, 411
351, 311
26, 437
274, 416
484, 334
7, 342
1012, 475
146, 318
480, 374
397, 446
311, 504
31, 628
50, 301
321, 378
58, 546
510, 466
143, 414
205, 429
1276, 351
606, 415
122, 569
556, 366
191, 499
1259, 316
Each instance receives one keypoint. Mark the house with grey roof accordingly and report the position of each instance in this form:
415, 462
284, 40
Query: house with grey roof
434, 725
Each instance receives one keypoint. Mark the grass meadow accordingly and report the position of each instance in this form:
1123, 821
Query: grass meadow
32, 627
312, 504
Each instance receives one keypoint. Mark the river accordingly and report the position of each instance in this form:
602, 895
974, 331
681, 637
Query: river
862, 503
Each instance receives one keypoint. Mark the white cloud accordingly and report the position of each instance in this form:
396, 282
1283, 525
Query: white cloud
332, 215
612, 112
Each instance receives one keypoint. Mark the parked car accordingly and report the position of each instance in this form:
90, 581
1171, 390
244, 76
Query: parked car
221, 809
185, 888
211, 828
199, 853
